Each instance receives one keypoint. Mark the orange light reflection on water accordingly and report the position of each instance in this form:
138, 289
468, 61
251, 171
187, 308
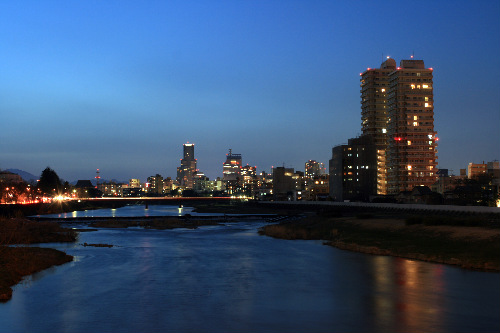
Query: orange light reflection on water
408, 292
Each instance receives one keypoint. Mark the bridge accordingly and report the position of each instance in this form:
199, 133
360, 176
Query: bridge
158, 200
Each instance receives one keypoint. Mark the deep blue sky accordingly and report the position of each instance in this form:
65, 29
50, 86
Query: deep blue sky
121, 85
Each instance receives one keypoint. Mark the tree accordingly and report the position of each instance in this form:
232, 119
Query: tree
49, 183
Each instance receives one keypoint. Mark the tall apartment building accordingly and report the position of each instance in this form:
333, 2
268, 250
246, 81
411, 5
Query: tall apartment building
411, 151
186, 172
398, 111
374, 92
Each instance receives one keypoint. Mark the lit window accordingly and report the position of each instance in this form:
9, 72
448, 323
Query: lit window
415, 123
426, 99
384, 130
412, 86
409, 167
383, 90
426, 105
409, 143
415, 117
425, 86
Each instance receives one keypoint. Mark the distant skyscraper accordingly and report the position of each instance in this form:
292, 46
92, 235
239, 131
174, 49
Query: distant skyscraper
232, 166
397, 110
231, 171
187, 171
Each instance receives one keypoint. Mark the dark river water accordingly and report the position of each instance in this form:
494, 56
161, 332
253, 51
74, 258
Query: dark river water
230, 279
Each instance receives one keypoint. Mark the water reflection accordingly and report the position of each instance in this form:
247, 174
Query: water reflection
228, 279
408, 293
130, 211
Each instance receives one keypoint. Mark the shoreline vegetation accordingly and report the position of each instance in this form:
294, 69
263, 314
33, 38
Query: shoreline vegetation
470, 241
16, 261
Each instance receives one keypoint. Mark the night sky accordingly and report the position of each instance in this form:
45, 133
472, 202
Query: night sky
121, 85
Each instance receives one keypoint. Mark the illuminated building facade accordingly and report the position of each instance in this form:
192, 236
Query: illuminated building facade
474, 170
397, 110
186, 172
231, 171
317, 188
249, 179
110, 189
155, 185
314, 169
411, 157
374, 92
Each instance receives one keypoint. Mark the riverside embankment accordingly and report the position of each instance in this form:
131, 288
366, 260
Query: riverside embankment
17, 261
469, 238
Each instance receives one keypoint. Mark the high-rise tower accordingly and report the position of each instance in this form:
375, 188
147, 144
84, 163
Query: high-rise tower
231, 171
187, 170
398, 112
374, 92
412, 141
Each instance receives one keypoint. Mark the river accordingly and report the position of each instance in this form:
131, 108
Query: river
229, 279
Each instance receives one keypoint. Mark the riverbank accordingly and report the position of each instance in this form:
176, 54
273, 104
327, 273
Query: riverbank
464, 245
17, 262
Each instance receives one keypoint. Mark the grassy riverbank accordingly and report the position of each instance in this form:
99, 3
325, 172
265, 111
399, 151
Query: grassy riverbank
471, 247
17, 262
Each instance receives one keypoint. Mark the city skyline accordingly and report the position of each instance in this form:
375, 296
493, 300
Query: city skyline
120, 87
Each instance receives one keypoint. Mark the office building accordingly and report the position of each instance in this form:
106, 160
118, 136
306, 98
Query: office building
288, 184
186, 172
249, 180
474, 170
231, 173
314, 169
155, 185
